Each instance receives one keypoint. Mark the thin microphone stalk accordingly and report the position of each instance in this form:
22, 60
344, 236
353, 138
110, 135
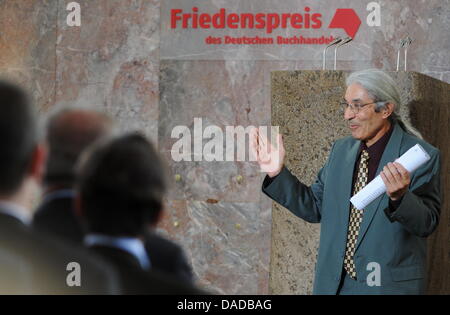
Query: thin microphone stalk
337, 40
342, 43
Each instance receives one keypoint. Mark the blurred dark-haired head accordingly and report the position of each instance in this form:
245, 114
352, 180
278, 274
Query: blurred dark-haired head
19, 134
121, 185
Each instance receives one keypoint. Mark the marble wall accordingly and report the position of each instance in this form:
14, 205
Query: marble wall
113, 62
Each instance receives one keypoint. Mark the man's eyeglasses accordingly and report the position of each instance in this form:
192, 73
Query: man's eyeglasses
354, 107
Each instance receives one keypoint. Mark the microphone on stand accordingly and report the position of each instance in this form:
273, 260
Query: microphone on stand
408, 41
337, 40
402, 44
342, 43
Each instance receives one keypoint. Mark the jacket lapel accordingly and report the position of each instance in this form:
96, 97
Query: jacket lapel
390, 154
344, 184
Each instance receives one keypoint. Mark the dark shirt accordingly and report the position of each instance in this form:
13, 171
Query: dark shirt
375, 153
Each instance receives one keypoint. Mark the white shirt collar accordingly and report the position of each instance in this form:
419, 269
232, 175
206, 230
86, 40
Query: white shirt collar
132, 245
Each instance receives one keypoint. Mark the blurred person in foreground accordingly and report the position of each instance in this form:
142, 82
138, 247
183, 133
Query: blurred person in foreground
120, 186
68, 132
29, 262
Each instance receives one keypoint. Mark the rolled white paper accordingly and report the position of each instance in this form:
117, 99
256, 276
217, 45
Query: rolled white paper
411, 160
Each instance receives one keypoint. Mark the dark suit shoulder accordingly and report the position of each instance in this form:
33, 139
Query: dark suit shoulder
46, 263
158, 242
135, 280
168, 257
57, 218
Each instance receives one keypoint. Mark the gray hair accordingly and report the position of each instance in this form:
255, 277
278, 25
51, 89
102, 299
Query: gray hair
383, 90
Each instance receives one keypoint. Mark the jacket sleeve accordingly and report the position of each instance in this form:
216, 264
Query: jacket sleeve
420, 207
303, 201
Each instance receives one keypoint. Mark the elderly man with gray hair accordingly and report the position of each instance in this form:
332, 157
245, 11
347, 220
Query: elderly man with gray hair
382, 248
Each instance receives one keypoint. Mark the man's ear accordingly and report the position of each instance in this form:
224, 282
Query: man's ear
38, 162
157, 219
388, 110
161, 215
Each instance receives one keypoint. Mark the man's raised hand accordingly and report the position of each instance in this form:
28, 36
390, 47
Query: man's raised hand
270, 156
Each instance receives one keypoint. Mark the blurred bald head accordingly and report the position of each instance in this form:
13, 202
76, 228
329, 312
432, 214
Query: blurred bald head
69, 132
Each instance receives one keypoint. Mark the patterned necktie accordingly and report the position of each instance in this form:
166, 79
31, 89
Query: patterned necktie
356, 216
